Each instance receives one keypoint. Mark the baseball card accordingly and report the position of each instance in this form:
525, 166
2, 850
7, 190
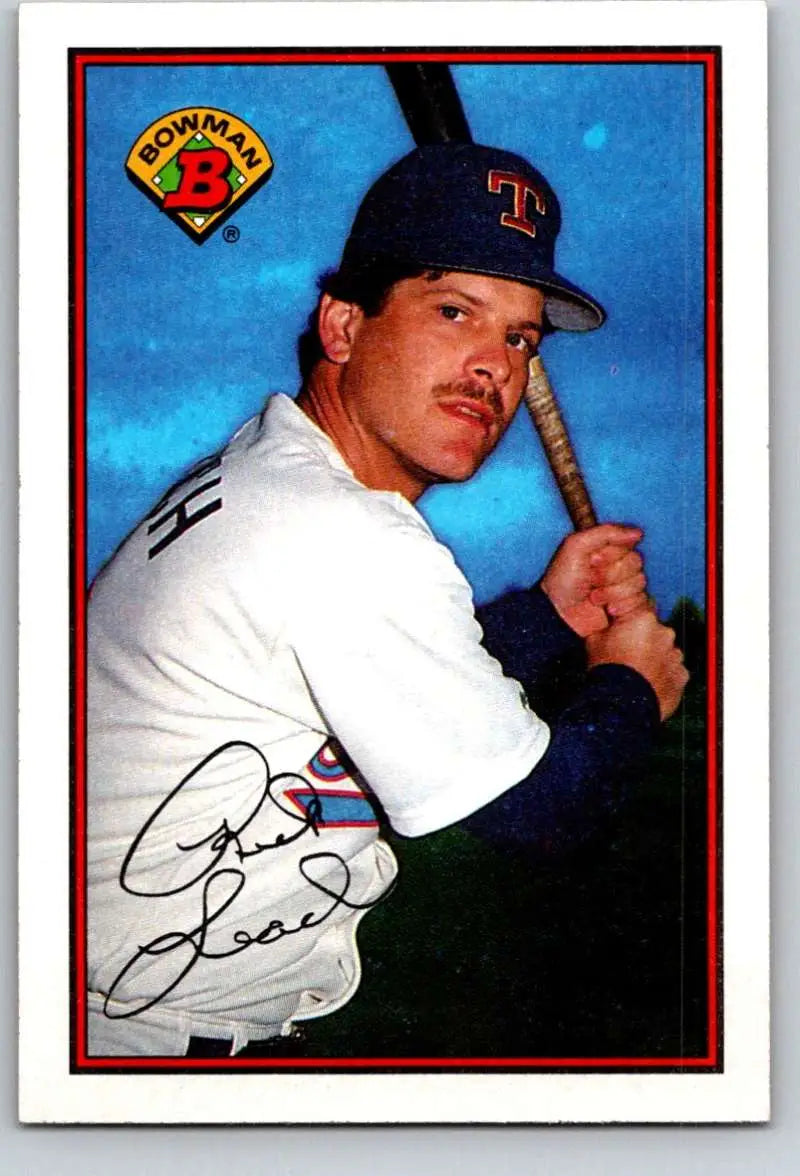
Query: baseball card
393, 449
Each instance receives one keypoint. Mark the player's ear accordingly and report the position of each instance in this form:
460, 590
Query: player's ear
337, 325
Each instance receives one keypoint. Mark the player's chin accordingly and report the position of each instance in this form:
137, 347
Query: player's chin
459, 465
458, 460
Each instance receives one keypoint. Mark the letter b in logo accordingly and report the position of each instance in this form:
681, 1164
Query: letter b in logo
203, 184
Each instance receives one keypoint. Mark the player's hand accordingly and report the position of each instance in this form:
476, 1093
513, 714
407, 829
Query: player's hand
596, 575
643, 643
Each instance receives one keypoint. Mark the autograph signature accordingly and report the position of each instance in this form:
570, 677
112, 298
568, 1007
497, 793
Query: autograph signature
326, 873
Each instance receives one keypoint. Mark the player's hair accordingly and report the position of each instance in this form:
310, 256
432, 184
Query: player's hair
367, 287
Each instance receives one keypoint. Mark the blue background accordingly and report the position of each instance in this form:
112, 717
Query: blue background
185, 342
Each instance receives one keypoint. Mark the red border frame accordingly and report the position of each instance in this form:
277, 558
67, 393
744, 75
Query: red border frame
709, 58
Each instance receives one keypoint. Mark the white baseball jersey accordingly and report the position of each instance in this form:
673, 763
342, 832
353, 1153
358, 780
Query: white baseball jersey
268, 613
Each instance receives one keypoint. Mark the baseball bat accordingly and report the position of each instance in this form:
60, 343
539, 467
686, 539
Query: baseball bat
429, 100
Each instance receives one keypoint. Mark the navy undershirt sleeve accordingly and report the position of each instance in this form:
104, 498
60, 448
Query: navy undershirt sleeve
580, 780
607, 725
525, 633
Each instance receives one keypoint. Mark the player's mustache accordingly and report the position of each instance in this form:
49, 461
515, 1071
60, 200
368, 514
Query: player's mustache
472, 390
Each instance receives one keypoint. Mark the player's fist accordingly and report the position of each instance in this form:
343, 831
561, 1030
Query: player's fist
643, 643
596, 575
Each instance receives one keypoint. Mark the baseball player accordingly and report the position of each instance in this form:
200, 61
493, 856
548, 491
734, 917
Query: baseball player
281, 655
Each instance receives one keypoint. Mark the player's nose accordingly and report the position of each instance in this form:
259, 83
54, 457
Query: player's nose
490, 362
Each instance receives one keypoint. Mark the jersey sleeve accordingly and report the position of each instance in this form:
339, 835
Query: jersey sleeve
392, 654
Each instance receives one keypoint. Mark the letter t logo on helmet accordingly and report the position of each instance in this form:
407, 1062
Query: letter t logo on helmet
522, 188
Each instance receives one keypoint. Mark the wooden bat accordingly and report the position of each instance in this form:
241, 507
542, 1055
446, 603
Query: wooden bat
546, 416
432, 108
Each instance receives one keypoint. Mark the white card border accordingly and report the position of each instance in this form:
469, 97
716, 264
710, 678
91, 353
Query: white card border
740, 1092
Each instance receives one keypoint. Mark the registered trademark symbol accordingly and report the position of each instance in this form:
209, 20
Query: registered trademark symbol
230, 234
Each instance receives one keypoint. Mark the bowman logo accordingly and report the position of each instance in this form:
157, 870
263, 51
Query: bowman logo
198, 165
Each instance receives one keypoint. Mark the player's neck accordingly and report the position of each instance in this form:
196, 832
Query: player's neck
375, 465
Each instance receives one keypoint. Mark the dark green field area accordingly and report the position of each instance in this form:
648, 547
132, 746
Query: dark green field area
479, 952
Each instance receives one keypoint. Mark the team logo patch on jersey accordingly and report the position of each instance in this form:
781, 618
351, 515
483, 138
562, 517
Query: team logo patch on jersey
326, 766
198, 164
344, 807
334, 808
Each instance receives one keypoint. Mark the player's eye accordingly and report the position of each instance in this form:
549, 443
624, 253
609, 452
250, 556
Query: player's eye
453, 313
521, 342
